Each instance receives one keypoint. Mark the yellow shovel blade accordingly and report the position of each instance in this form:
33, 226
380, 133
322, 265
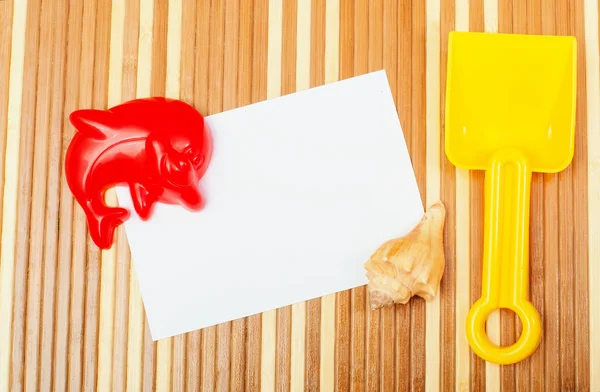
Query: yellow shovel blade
510, 110
506, 90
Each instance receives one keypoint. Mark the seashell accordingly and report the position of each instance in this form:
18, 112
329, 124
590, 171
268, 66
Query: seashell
409, 265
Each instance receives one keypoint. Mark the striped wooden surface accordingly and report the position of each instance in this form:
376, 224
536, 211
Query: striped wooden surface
71, 317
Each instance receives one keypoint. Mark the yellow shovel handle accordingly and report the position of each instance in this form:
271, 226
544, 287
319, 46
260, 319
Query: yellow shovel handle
505, 260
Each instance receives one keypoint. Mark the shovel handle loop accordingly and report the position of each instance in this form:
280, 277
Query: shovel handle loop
505, 259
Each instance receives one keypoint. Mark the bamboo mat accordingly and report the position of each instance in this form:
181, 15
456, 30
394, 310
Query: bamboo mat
71, 317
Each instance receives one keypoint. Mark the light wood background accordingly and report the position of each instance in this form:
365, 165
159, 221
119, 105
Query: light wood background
71, 317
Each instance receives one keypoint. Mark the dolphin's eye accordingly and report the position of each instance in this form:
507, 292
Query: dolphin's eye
197, 160
195, 157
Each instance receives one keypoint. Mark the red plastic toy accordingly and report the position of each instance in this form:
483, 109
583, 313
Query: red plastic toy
159, 147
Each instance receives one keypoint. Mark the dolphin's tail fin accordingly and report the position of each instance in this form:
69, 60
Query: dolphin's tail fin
102, 223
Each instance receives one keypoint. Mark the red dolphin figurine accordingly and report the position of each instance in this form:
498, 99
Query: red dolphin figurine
159, 147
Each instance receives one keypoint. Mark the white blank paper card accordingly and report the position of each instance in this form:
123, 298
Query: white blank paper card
299, 192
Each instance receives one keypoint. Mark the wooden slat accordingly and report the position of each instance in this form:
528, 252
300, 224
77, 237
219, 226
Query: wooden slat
6, 284
166, 69
373, 318
405, 86
66, 346
462, 235
99, 101
90, 260
476, 211
72, 316
108, 273
551, 255
11, 151
433, 187
448, 194
536, 237
37, 76
342, 313
194, 84
119, 364
136, 357
390, 58
6, 14
238, 62
510, 17
122, 279
578, 321
231, 25
36, 245
418, 359
288, 85
566, 233
303, 76
269, 327
506, 25
358, 296
530, 23
492, 371
186, 348
149, 351
261, 46
214, 92
591, 13
316, 57
390, 55
230, 87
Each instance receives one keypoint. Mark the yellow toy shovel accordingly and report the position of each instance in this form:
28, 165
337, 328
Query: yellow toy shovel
510, 110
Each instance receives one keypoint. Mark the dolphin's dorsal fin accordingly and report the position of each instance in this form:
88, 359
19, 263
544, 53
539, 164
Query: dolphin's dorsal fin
97, 124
